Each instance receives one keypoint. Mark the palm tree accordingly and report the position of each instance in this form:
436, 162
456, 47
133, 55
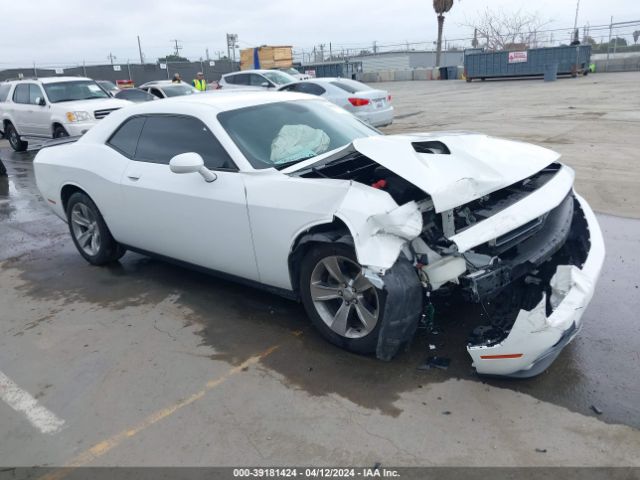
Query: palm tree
441, 7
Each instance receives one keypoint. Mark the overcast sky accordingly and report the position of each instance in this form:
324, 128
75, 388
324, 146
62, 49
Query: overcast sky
67, 31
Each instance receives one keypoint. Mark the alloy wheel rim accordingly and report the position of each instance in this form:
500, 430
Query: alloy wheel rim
345, 300
85, 229
13, 138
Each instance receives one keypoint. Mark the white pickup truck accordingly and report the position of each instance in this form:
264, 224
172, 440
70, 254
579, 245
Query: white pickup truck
52, 107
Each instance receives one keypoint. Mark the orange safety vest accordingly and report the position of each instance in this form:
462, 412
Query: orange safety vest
200, 84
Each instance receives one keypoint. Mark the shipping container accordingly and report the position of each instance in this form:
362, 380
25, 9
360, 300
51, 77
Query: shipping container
571, 60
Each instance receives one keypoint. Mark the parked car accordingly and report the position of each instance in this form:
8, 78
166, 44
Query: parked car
296, 195
135, 95
109, 87
256, 79
295, 73
166, 88
368, 104
52, 107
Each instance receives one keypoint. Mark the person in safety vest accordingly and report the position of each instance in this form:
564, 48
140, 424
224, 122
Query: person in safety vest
199, 82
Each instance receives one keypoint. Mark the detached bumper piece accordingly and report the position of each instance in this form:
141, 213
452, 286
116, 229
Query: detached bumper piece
569, 277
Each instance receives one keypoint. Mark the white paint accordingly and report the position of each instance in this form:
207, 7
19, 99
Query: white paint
23, 402
533, 333
477, 165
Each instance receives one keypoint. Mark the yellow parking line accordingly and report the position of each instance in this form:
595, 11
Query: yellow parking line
101, 448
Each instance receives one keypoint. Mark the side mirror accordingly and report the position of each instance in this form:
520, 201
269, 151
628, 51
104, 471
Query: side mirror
266, 85
40, 101
191, 162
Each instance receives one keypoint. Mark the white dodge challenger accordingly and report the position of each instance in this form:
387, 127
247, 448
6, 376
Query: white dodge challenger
294, 194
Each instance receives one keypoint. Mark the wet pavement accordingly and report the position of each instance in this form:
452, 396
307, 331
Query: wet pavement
106, 346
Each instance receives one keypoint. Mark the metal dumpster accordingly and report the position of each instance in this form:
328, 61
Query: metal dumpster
526, 63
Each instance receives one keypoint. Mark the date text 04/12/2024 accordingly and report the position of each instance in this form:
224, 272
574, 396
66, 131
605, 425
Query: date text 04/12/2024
315, 473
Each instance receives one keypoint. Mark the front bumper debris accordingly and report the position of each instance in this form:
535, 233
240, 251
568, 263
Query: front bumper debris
536, 339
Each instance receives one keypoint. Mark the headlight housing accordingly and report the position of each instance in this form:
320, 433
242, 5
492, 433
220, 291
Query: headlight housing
79, 116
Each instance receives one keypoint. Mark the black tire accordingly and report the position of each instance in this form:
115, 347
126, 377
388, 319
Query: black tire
108, 250
59, 132
363, 345
14, 139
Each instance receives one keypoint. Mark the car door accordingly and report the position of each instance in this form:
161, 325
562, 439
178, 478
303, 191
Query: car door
258, 81
20, 107
39, 115
181, 216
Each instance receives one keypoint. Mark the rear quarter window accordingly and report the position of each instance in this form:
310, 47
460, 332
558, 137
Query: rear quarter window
4, 92
125, 138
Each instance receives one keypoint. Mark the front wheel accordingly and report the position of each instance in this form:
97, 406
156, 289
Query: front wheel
59, 132
14, 139
90, 233
342, 304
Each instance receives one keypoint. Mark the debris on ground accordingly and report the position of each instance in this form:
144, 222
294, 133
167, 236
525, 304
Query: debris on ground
596, 410
432, 347
541, 450
446, 412
435, 362
377, 465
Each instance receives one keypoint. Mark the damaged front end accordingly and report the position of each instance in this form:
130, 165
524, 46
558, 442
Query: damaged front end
510, 235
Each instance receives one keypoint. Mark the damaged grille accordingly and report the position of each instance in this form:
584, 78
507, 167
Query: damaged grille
524, 256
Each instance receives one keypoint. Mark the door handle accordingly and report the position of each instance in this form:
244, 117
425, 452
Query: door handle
134, 176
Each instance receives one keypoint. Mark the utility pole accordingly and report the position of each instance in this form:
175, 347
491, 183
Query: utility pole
577, 36
606, 65
111, 57
177, 47
206, 50
140, 51
375, 47
232, 43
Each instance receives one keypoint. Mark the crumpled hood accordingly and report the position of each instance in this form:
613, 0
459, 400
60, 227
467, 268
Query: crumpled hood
476, 165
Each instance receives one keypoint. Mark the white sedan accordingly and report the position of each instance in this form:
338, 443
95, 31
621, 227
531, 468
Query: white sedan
370, 105
296, 195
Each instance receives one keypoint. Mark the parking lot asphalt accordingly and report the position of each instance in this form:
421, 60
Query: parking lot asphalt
146, 363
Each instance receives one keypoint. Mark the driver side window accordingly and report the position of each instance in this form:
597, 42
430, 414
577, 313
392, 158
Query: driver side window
165, 136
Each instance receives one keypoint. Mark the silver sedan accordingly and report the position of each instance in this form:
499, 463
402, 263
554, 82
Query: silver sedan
371, 105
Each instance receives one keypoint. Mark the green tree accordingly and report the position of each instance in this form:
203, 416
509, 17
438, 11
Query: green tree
173, 58
441, 7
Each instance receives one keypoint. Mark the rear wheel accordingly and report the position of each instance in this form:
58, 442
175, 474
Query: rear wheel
90, 233
14, 139
342, 304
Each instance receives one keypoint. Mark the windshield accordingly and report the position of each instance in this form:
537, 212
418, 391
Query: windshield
283, 133
178, 90
71, 91
135, 95
290, 71
279, 78
107, 85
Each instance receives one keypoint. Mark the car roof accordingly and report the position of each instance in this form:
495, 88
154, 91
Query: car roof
45, 80
62, 79
219, 100
264, 70
162, 82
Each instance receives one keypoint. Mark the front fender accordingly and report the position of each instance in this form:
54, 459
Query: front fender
380, 228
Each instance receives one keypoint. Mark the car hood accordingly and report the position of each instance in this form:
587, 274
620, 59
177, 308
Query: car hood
474, 166
93, 105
